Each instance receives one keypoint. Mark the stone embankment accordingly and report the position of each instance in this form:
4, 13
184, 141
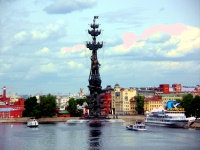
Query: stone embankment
41, 120
193, 125
127, 118
63, 119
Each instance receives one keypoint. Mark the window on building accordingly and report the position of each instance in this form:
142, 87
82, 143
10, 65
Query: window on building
126, 98
117, 94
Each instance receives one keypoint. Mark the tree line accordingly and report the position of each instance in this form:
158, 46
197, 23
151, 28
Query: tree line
191, 105
47, 106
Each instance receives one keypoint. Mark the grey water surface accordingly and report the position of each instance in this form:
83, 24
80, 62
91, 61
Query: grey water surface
111, 136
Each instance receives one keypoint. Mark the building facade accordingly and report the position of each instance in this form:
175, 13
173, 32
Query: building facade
11, 107
164, 88
62, 102
168, 97
106, 98
177, 88
121, 100
151, 103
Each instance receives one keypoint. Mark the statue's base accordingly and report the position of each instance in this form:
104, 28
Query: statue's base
96, 122
95, 117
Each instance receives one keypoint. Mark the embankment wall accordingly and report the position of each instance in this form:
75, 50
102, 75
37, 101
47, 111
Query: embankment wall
127, 118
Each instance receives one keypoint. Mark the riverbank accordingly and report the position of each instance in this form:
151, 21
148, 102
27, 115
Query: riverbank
64, 119
41, 120
194, 125
127, 118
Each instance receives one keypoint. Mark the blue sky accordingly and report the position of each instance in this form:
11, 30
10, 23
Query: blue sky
146, 43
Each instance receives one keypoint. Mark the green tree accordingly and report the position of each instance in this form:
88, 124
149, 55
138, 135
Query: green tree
37, 111
47, 106
140, 104
72, 107
186, 103
80, 101
195, 106
30, 106
191, 105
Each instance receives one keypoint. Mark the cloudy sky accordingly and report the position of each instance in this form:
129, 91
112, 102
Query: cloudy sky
146, 43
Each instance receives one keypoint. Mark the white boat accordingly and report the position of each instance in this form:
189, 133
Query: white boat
168, 118
191, 119
32, 123
137, 126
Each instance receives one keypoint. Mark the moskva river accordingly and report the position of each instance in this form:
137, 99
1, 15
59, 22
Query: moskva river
111, 136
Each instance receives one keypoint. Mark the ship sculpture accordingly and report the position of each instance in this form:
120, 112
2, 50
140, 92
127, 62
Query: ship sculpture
95, 102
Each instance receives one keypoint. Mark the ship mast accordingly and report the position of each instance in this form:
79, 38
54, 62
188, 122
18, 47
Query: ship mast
94, 102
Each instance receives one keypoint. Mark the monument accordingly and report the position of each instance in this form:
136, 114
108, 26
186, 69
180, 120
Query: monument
95, 103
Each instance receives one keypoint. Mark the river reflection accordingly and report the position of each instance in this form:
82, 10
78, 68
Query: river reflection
95, 139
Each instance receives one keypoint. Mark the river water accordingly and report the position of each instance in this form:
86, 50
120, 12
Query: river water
111, 136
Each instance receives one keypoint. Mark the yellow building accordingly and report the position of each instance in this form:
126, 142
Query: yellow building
160, 101
133, 106
152, 102
121, 100
167, 97
149, 104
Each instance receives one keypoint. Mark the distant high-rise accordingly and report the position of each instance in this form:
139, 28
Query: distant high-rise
177, 87
164, 88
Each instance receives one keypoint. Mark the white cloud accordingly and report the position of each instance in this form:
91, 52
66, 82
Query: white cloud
75, 65
75, 51
55, 26
44, 50
52, 31
32, 73
38, 35
4, 66
50, 67
20, 35
160, 44
158, 37
63, 6
5, 48
188, 42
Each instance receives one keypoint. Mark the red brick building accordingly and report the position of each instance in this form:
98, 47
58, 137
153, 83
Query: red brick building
8, 110
177, 88
164, 88
197, 89
107, 98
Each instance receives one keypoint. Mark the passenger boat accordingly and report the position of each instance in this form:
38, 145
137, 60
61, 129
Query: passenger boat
137, 126
169, 118
32, 123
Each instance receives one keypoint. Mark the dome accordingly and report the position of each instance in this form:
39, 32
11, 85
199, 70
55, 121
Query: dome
117, 85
